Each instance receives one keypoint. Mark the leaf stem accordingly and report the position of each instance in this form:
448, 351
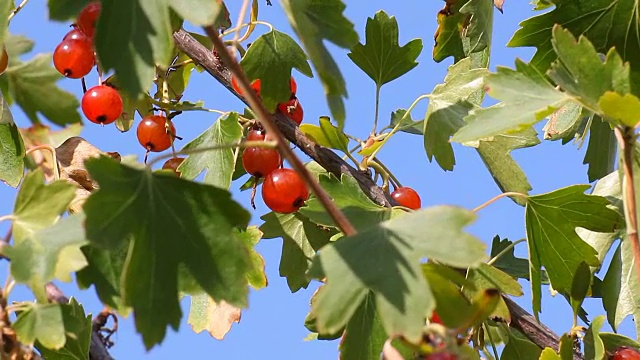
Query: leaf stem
257, 22
504, 251
17, 9
395, 128
238, 145
268, 123
493, 344
241, 15
498, 197
52, 150
377, 112
394, 179
6, 217
626, 140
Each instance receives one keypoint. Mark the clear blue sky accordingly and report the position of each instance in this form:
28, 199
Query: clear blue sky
273, 327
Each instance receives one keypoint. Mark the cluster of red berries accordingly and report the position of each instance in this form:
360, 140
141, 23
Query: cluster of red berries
283, 190
291, 109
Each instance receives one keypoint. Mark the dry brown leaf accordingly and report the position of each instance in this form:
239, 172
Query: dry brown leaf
71, 156
216, 318
38, 135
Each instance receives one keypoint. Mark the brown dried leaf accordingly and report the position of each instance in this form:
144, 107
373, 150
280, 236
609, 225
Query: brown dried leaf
216, 318
71, 156
38, 135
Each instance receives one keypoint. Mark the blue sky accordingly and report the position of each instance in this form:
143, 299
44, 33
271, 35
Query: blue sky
273, 327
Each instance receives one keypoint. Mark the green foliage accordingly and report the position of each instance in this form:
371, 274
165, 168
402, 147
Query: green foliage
593, 345
104, 271
381, 57
271, 58
62, 10
317, 20
364, 335
77, 328
326, 135
601, 150
11, 148
218, 164
520, 347
184, 223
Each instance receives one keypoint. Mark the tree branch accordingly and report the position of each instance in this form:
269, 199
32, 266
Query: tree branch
97, 348
520, 318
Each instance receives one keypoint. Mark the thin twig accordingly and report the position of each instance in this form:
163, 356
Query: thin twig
626, 140
504, 251
265, 119
17, 9
498, 197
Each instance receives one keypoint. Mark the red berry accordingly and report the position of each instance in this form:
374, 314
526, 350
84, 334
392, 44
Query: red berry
4, 60
626, 353
293, 86
284, 191
172, 164
102, 104
442, 356
152, 133
435, 318
76, 34
255, 135
255, 85
407, 197
74, 58
88, 17
259, 161
292, 109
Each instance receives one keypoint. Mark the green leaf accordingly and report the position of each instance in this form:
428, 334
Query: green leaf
580, 287
563, 123
409, 125
301, 239
256, 274
566, 346
452, 306
549, 354
140, 103
496, 155
356, 205
6, 7
601, 151
509, 263
527, 97
11, 147
38, 205
480, 29
317, 20
581, 72
449, 103
464, 28
104, 272
185, 223
78, 329
448, 39
391, 268
519, 347
381, 57
198, 12
271, 58
615, 19
132, 37
489, 277
593, 345
50, 253
63, 10
623, 109
364, 335
551, 221
619, 287
32, 85
326, 135
219, 164
613, 341
41, 322
215, 317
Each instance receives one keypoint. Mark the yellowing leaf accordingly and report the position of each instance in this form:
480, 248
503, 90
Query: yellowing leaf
214, 317
624, 109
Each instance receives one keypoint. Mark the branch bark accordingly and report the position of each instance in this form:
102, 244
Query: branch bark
520, 318
97, 349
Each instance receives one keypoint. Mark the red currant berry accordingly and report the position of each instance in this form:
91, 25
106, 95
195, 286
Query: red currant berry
255, 135
626, 353
293, 86
284, 191
76, 34
74, 58
4, 60
172, 164
152, 133
259, 161
88, 18
102, 104
435, 318
442, 356
407, 197
292, 109
255, 85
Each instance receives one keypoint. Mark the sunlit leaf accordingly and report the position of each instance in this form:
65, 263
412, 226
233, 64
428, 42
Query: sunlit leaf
12, 148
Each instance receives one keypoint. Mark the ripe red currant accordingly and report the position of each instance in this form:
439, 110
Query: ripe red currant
88, 17
259, 161
284, 191
255, 135
172, 164
292, 109
152, 133
4, 60
407, 197
626, 353
442, 356
76, 34
102, 104
255, 85
74, 58
435, 318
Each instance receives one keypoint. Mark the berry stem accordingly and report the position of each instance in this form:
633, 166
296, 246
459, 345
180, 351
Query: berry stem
17, 9
50, 149
380, 170
84, 85
626, 141
498, 197
504, 251
393, 178
238, 145
267, 122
